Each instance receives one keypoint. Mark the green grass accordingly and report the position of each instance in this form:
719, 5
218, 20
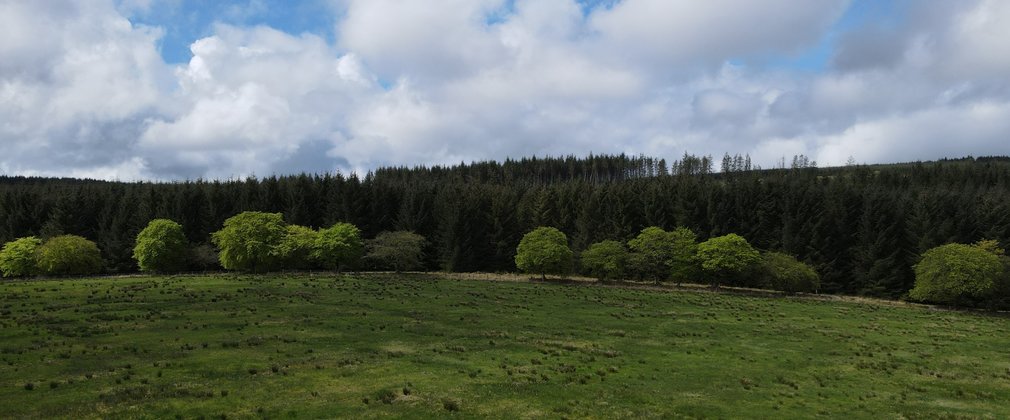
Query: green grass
324, 346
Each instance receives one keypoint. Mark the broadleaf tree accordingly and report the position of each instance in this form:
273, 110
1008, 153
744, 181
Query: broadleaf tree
726, 257
954, 273
683, 261
784, 272
605, 260
544, 250
69, 255
161, 247
295, 249
652, 249
18, 259
338, 247
249, 241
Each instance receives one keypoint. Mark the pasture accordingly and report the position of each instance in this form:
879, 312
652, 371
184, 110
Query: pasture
310, 346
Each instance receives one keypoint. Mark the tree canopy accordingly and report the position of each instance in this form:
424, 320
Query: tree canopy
653, 251
18, 259
606, 259
725, 257
784, 272
295, 248
953, 273
339, 246
249, 241
69, 255
683, 260
544, 250
162, 247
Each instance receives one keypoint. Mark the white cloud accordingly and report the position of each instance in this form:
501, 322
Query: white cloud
84, 92
675, 34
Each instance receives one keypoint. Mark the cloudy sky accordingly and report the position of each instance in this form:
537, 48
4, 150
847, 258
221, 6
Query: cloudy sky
175, 89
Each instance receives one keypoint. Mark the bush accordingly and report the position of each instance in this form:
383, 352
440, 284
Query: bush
17, 258
956, 274
69, 255
784, 272
249, 241
544, 250
338, 247
726, 257
161, 247
606, 260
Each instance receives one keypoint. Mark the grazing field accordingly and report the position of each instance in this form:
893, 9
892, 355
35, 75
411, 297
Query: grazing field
413, 346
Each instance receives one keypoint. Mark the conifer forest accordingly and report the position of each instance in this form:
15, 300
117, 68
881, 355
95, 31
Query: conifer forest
861, 227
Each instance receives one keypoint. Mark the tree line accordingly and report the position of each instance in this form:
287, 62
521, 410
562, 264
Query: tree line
862, 228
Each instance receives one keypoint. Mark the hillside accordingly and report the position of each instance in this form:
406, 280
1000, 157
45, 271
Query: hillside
324, 346
861, 227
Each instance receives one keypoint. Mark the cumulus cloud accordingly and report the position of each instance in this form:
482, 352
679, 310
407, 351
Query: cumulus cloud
85, 92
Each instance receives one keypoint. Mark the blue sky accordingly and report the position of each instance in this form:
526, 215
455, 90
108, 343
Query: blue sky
176, 89
185, 21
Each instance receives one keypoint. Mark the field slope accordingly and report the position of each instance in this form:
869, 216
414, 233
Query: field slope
331, 346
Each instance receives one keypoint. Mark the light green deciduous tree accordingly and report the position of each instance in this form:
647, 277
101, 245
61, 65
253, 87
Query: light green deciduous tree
544, 250
249, 241
954, 272
786, 273
725, 257
653, 250
18, 259
606, 260
69, 255
338, 247
295, 249
683, 260
161, 247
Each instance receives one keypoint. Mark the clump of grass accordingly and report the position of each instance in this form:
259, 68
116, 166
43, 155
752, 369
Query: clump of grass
387, 396
450, 404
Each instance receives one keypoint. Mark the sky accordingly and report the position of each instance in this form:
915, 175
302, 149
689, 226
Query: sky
186, 89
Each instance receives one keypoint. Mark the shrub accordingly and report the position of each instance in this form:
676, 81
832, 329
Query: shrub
726, 257
69, 255
17, 258
784, 272
249, 241
338, 247
161, 247
956, 273
606, 260
544, 250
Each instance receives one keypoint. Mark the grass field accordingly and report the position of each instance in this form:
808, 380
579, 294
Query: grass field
327, 346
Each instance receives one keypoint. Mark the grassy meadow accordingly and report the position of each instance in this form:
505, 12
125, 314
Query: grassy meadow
310, 346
